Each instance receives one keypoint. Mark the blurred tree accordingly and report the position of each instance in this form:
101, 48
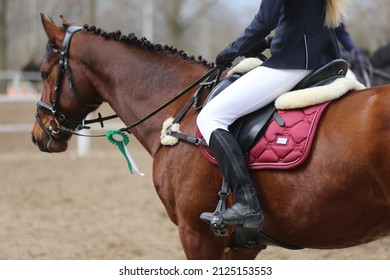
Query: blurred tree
148, 20
188, 23
3, 41
205, 29
369, 34
182, 23
173, 15
92, 12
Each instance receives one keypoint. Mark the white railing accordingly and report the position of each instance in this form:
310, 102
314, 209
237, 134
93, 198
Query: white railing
20, 85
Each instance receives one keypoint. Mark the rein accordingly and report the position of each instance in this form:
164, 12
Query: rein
215, 72
210, 73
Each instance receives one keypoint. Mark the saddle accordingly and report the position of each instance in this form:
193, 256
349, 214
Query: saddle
249, 128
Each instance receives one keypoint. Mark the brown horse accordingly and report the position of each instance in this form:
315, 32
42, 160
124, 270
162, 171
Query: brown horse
340, 196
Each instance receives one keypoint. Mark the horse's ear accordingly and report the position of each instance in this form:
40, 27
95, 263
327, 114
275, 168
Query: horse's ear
65, 21
53, 32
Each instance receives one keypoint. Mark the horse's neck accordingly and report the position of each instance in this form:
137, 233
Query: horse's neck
135, 82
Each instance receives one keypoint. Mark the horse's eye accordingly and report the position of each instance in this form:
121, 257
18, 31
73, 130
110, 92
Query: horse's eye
44, 75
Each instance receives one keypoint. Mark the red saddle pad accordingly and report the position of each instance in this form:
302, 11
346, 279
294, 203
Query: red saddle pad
283, 147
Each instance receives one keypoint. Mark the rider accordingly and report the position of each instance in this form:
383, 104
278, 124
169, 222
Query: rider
304, 41
346, 40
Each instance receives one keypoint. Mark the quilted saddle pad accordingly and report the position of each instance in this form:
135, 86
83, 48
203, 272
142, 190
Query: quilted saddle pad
283, 147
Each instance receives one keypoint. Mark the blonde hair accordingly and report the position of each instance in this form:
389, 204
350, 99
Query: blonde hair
335, 10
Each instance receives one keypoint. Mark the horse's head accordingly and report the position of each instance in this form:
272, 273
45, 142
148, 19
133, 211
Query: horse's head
67, 96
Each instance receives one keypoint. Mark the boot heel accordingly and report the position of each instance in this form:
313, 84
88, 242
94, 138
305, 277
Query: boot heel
254, 222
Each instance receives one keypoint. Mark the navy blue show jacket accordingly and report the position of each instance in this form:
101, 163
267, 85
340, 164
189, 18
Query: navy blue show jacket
301, 40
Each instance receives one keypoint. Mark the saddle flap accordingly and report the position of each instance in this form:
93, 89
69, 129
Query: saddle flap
223, 84
249, 128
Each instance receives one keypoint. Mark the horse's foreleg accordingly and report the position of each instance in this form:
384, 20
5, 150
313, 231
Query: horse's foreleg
200, 243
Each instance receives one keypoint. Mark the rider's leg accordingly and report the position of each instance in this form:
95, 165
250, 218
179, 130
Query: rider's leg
351, 75
232, 162
254, 90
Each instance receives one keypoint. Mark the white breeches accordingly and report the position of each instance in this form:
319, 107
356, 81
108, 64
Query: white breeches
351, 75
249, 93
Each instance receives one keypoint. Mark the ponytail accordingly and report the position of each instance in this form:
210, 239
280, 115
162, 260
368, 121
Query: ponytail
334, 12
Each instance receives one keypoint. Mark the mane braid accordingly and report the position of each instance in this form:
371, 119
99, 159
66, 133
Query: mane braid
144, 43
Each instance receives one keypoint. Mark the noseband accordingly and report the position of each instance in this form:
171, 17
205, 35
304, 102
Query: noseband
69, 124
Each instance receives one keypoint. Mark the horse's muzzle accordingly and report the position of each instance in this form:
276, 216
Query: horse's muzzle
49, 143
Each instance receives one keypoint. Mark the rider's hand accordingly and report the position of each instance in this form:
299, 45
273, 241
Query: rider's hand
224, 59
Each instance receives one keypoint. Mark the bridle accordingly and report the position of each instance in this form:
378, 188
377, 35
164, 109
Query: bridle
57, 116
69, 125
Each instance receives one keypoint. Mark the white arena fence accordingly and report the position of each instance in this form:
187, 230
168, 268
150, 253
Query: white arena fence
20, 84
25, 87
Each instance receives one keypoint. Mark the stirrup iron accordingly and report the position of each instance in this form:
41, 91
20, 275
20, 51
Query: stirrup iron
216, 221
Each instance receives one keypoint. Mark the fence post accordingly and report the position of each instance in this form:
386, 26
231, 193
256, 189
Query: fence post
16, 83
84, 144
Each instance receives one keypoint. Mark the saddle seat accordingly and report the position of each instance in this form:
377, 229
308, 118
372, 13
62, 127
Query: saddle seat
249, 128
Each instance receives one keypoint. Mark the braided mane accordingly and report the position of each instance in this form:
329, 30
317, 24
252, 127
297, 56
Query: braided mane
144, 43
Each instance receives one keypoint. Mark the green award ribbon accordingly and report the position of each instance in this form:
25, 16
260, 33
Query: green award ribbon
120, 139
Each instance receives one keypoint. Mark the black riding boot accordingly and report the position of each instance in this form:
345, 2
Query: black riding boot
231, 160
